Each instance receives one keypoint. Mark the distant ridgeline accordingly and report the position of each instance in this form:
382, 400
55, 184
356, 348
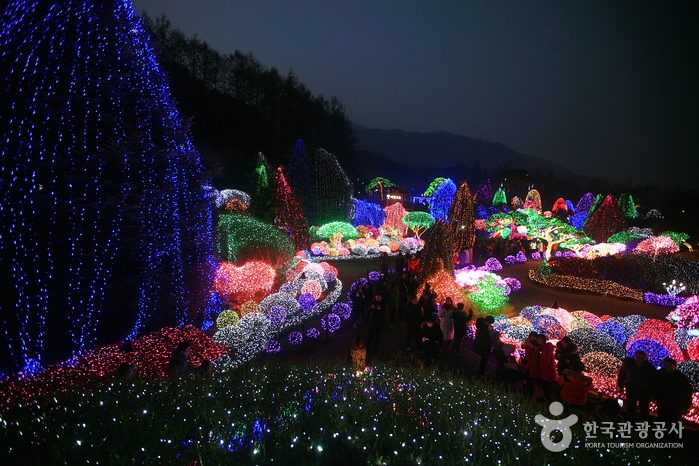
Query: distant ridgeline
240, 108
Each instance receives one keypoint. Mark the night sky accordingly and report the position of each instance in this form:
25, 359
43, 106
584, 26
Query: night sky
603, 88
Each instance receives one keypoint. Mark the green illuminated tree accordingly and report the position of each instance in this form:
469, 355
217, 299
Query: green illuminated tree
379, 183
336, 231
433, 186
419, 222
628, 208
499, 198
242, 238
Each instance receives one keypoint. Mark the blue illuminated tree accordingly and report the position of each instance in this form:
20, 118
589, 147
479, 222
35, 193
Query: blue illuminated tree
105, 228
368, 213
302, 180
441, 199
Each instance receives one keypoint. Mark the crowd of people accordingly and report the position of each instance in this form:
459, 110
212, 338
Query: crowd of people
546, 371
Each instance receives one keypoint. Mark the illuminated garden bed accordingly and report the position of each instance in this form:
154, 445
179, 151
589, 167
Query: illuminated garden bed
605, 341
295, 415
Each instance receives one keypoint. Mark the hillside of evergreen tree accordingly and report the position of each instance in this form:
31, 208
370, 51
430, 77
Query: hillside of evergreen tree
240, 108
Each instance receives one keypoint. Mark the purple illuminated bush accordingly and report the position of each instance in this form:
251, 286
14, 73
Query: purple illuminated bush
307, 301
295, 338
273, 347
493, 264
331, 322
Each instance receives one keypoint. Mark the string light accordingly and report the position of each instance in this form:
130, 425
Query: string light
333, 189
307, 302
483, 196
394, 216
442, 198
614, 330
493, 264
367, 213
226, 318
657, 245
628, 207
273, 347
312, 287
304, 186
606, 220
97, 166
430, 189
336, 232
288, 214
600, 363
248, 307
295, 338
244, 239
330, 322
533, 196
590, 341
240, 284
227, 195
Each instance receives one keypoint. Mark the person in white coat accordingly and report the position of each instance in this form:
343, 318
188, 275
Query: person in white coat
446, 321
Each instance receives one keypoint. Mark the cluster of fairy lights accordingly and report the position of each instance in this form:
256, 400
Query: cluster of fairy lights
442, 198
604, 342
58, 174
303, 182
462, 224
368, 213
262, 322
628, 276
289, 215
333, 189
416, 417
344, 241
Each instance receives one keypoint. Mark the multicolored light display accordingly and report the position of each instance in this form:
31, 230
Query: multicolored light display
461, 218
288, 214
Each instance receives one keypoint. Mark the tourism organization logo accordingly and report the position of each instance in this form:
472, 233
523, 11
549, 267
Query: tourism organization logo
549, 426
624, 429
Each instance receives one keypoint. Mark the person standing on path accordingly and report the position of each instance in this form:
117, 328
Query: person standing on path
638, 376
431, 337
377, 312
357, 303
547, 365
461, 321
368, 299
673, 392
414, 317
446, 321
393, 301
482, 344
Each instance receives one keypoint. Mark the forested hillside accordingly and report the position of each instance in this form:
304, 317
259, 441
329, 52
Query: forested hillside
240, 108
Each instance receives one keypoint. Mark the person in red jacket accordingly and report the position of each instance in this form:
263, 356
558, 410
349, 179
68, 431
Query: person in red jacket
532, 368
547, 364
574, 387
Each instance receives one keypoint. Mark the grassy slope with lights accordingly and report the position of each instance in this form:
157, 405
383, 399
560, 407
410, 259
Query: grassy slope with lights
319, 414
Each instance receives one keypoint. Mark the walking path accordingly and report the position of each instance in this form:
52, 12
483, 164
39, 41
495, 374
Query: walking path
337, 345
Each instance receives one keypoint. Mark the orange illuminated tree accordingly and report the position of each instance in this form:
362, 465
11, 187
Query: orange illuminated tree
461, 219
